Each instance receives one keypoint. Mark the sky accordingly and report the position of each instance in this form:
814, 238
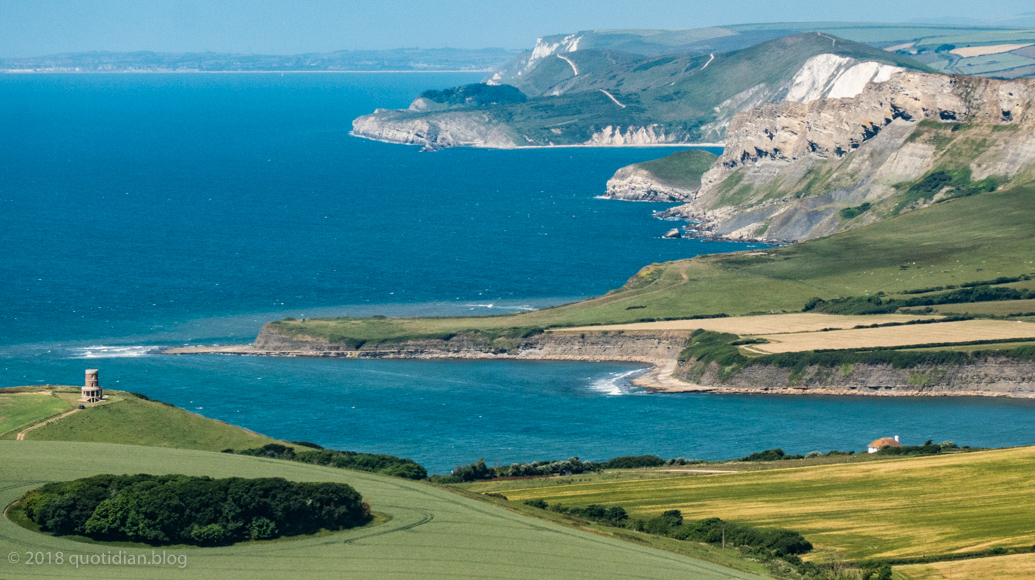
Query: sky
41, 27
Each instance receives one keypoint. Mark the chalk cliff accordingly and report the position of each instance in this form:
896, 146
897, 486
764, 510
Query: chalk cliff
794, 171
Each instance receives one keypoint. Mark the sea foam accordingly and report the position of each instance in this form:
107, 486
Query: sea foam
615, 384
101, 351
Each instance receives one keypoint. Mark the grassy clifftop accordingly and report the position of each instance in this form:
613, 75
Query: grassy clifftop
123, 418
682, 169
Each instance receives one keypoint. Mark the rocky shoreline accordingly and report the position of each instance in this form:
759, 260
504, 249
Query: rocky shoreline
990, 378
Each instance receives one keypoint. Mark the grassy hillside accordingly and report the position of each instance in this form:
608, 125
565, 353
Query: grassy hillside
814, 196
432, 532
676, 92
588, 91
22, 408
680, 169
876, 509
978, 238
928, 43
126, 418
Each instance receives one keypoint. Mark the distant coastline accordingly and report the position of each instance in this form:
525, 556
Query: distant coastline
567, 146
112, 72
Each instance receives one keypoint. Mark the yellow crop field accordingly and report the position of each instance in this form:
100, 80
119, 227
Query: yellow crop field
969, 51
1013, 567
898, 508
961, 331
753, 325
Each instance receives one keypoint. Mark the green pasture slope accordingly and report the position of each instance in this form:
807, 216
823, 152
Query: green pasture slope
977, 238
127, 418
21, 410
432, 533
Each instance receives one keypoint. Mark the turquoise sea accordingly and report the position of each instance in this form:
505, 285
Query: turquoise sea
139, 211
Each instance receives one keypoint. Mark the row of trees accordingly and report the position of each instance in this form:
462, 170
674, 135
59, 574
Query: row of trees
316, 455
181, 509
763, 544
883, 305
571, 466
671, 524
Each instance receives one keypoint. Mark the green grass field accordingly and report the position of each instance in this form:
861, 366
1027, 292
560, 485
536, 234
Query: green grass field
971, 239
875, 509
1004, 308
127, 419
433, 533
20, 410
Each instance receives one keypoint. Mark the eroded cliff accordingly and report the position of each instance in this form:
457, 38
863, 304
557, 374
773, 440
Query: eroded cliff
795, 171
989, 377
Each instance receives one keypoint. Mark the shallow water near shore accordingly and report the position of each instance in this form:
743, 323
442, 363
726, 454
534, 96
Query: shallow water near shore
142, 211
443, 413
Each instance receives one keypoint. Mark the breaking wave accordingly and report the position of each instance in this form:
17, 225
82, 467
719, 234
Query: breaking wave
615, 384
100, 351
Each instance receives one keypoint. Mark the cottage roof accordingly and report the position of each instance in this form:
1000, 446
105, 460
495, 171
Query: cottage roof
885, 442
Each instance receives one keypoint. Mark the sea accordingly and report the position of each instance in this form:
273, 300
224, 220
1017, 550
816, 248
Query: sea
140, 211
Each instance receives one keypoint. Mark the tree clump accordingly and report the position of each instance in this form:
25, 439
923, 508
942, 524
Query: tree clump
202, 511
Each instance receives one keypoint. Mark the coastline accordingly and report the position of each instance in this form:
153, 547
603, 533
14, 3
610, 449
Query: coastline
658, 378
206, 72
516, 147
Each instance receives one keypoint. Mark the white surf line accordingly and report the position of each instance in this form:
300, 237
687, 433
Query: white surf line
712, 55
568, 60
612, 97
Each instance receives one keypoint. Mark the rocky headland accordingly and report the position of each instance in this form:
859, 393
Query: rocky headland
795, 171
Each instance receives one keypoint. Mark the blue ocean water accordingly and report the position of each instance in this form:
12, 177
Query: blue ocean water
146, 210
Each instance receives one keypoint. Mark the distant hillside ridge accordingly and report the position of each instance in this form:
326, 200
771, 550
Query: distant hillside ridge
399, 59
999, 52
793, 171
604, 97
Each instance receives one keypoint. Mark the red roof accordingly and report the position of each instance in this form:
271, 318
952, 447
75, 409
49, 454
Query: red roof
885, 442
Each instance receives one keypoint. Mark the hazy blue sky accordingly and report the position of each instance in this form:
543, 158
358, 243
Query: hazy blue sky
38, 27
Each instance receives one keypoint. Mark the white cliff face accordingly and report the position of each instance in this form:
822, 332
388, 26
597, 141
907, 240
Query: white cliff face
835, 77
648, 135
822, 76
544, 49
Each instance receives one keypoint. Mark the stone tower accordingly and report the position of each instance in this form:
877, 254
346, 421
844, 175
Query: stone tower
92, 391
